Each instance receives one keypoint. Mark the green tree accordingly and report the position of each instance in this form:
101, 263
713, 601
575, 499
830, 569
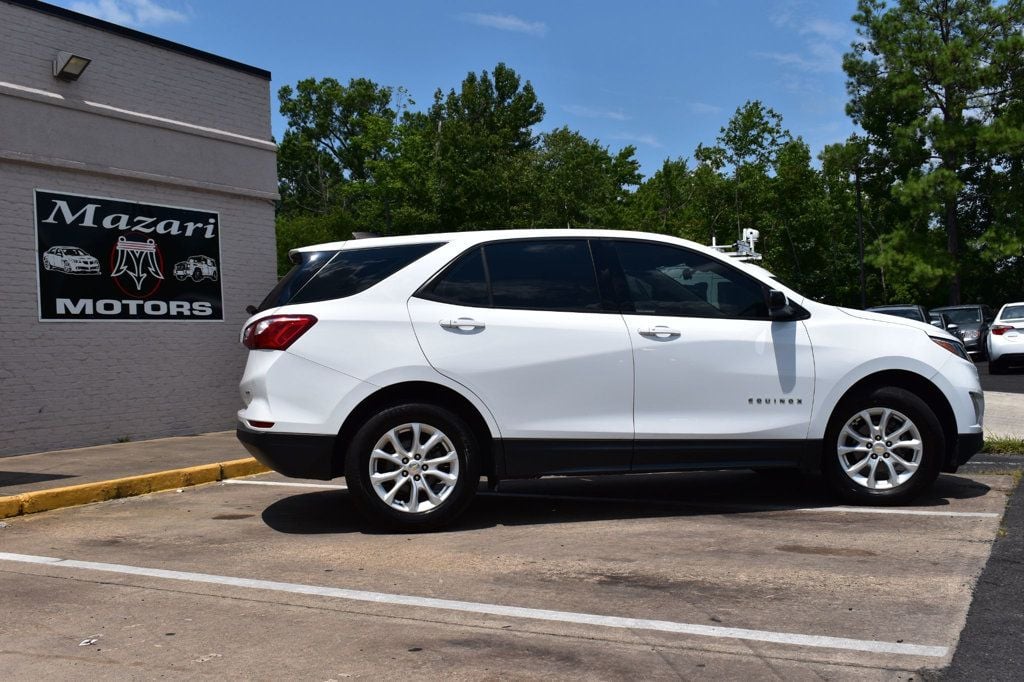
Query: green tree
933, 84
483, 147
581, 183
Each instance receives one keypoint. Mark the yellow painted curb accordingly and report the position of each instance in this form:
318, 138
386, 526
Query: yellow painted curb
99, 491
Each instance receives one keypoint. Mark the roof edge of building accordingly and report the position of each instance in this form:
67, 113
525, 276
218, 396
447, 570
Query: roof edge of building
93, 22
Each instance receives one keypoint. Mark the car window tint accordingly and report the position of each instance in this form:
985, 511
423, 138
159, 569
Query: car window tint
662, 279
1012, 312
963, 315
306, 265
554, 274
463, 283
355, 270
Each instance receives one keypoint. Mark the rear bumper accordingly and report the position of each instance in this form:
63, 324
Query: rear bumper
296, 455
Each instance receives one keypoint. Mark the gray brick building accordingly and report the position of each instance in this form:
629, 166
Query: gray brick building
149, 124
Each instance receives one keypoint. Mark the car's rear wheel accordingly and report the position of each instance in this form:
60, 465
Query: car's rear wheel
882, 447
413, 467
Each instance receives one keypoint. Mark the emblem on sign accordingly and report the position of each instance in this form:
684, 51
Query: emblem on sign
137, 260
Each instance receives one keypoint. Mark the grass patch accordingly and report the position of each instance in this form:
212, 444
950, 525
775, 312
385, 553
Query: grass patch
1003, 445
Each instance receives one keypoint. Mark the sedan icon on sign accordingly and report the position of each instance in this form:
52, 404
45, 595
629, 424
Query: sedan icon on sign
70, 260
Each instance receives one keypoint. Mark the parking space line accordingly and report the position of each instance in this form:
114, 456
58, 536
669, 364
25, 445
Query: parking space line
329, 486
818, 641
675, 503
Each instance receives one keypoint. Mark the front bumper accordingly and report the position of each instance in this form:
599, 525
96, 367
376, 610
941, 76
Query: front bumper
296, 455
967, 445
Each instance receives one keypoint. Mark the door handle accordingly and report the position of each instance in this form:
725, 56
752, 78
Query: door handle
660, 331
463, 323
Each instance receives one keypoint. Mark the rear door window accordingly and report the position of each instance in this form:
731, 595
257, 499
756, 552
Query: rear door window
526, 274
556, 274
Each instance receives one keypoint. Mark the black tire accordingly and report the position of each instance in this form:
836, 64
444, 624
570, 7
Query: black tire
357, 467
197, 275
996, 367
932, 450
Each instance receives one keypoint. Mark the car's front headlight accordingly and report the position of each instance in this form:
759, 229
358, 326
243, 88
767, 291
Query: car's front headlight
954, 347
971, 334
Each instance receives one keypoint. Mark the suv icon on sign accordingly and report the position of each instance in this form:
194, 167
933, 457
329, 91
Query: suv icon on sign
196, 267
70, 260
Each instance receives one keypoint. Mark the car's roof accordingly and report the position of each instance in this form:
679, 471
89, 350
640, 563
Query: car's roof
963, 306
480, 236
469, 238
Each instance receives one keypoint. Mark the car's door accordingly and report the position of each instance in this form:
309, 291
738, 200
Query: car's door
716, 380
525, 326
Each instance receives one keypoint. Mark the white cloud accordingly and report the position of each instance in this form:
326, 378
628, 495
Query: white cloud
589, 112
703, 108
823, 41
507, 22
639, 138
135, 13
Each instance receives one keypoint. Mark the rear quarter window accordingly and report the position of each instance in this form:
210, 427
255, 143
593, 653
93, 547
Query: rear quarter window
352, 271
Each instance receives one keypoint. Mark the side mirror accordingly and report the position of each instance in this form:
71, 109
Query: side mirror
251, 309
952, 327
937, 323
778, 305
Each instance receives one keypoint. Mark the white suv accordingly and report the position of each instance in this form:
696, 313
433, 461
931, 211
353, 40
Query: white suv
414, 365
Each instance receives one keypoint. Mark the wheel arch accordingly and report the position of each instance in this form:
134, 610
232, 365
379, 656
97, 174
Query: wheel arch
920, 386
426, 392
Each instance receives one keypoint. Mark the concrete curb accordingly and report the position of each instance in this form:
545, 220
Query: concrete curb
100, 491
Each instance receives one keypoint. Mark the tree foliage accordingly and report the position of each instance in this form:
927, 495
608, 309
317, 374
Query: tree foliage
936, 87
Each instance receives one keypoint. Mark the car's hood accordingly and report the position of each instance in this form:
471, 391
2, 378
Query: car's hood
901, 321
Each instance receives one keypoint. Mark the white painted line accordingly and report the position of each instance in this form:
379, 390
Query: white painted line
819, 641
676, 503
236, 481
906, 512
1007, 464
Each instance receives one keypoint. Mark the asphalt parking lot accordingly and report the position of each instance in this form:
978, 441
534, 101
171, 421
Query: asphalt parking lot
718, 574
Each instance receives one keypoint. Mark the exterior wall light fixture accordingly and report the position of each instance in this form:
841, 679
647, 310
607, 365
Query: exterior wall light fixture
68, 66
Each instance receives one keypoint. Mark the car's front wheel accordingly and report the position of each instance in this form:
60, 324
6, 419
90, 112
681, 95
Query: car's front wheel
413, 467
882, 447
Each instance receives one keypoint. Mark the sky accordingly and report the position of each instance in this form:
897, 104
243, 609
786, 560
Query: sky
660, 75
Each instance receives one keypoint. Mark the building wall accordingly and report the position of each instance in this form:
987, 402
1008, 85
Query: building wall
209, 147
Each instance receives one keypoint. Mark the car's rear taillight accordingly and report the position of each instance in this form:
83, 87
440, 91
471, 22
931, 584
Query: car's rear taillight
1001, 329
276, 332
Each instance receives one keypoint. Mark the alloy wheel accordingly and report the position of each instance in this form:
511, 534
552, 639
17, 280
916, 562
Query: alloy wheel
880, 448
414, 468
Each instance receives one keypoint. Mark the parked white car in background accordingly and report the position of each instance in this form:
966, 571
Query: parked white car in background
1006, 339
414, 365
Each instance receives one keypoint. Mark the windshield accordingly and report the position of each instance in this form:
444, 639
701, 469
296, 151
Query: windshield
1012, 312
909, 313
75, 252
963, 315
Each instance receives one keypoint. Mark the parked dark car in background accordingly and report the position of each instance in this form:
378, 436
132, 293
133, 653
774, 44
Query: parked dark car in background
972, 323
909, 311
942, 321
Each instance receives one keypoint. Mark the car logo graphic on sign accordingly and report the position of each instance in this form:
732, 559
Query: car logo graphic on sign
137, 260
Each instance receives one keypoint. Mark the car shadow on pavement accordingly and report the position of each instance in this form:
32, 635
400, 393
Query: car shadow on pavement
602, 498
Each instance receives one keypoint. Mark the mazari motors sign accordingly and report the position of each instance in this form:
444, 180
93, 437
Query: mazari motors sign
111, 259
